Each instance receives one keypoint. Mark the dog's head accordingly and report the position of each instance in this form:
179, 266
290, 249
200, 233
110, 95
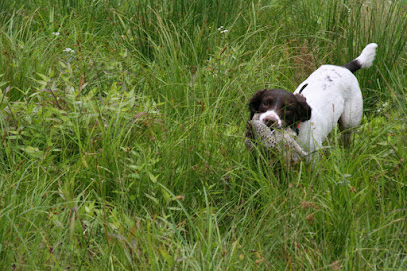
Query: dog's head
279, 108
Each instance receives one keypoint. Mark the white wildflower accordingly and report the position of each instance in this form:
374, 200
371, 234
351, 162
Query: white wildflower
56, 33
69, 50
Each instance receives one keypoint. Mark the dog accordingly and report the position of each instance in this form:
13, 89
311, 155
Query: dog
329, 96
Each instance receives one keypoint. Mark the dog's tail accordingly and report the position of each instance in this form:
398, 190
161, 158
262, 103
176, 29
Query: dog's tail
365, 60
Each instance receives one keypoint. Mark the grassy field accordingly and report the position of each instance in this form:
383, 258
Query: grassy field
122, 141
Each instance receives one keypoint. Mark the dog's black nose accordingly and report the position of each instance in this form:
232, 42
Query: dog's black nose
270, 121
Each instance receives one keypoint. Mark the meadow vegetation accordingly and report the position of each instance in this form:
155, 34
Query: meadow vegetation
122, 141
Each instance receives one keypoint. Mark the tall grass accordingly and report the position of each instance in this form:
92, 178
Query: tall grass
127, 151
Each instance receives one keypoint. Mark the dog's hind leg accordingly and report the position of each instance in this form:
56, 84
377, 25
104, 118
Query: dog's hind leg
346, 134
351, 116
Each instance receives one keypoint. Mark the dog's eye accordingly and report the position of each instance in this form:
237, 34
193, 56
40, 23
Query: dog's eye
266, 103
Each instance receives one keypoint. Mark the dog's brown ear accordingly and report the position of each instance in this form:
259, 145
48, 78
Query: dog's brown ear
303, 108
255, 101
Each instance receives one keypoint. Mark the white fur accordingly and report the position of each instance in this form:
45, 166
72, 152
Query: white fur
367, 56
333, 93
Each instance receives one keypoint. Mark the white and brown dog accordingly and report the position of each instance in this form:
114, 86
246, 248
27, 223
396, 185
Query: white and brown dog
329, 96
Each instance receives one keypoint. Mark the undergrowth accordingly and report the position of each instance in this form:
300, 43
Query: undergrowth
122, 137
